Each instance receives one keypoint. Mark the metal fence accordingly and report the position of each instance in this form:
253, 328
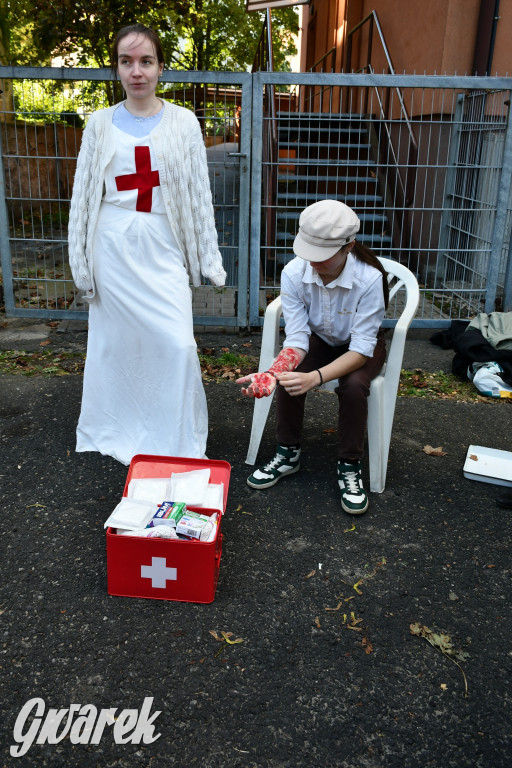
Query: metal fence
425, 161
40, 135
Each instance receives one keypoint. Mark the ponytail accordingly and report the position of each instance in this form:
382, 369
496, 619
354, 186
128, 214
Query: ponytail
363, 253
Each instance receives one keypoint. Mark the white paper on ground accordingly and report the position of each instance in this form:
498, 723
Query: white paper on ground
131, 514
488, 465
189, 487
155, 489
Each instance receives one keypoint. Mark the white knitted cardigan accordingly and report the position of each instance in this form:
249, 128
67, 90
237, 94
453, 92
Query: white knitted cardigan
181, 160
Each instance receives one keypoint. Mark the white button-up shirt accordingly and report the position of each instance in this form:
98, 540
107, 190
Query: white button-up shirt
349, 310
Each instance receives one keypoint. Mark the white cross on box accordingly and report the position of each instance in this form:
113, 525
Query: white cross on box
158, 572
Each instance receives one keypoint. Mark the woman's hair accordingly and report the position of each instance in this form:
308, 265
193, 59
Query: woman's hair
363, 253
138, 29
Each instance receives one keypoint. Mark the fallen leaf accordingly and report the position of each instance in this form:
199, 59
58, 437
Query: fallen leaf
443, 643
335, 609
443, 687
347, 530
356, 629
310, 574
44, 343
329, 430
473, 457
368, 647
434, 451
227, 635
317, 622
356, 587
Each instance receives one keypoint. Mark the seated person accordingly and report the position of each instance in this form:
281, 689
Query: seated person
334, 295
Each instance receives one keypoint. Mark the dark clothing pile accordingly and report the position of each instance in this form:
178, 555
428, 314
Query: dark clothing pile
472, 347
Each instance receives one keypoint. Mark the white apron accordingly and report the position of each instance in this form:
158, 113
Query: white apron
142, 391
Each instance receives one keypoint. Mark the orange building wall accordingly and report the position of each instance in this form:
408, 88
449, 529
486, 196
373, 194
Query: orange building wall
502, 59
435, 37
427, 38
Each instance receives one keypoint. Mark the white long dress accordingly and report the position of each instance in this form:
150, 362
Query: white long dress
142, 391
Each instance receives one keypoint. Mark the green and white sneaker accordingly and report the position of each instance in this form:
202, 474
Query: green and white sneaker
285, 462
354, 499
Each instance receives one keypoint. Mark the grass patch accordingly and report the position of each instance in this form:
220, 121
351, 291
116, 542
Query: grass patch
437, 386
229, 366
46, 362
42, 363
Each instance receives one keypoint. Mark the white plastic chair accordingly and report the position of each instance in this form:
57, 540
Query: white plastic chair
381, 403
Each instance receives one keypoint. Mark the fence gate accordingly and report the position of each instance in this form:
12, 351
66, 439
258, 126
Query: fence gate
41, 126
425, 161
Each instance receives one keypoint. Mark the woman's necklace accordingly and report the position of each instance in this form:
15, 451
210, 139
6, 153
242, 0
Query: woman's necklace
151, 113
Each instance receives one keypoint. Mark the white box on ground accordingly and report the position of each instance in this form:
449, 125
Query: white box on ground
488, 465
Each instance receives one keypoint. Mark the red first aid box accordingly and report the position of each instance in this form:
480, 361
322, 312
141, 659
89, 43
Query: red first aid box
167, 569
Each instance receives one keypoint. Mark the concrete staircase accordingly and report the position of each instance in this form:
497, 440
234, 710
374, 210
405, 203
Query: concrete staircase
327, 156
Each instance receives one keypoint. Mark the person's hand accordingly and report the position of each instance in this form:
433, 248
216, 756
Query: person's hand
260, 384
296, 383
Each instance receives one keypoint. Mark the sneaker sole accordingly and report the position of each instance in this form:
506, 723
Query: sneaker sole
270, 483
354, 511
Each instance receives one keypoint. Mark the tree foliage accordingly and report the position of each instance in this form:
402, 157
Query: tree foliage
195, 34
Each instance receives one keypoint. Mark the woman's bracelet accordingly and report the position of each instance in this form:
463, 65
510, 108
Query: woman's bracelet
321, 377
272, 374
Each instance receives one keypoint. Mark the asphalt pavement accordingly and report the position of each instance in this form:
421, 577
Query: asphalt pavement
328, 673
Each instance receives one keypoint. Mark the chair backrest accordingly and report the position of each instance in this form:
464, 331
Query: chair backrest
400, 277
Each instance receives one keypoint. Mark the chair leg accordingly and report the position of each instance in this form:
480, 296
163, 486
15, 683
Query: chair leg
259, 419
377, 455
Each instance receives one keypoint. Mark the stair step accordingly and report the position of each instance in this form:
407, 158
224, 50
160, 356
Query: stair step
323, 120
324, 144
316, 162
364, 215
291, 177
311, 196
322, 115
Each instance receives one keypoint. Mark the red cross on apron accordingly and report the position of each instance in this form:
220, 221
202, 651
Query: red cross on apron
143, 180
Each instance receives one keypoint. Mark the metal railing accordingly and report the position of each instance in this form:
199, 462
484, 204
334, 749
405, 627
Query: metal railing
264, 62
371, 22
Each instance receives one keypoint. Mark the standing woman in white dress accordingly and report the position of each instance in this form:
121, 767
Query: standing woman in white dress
142, 228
